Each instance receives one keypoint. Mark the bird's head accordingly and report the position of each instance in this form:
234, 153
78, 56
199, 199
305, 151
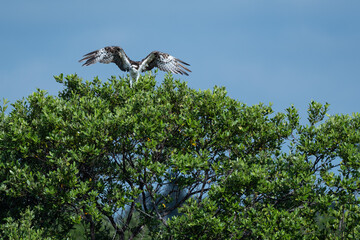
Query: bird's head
135, 66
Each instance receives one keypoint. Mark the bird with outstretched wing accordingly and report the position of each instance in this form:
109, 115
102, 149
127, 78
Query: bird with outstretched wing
163, 61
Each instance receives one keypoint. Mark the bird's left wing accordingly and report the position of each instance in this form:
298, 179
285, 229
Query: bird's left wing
164, 62
108, 55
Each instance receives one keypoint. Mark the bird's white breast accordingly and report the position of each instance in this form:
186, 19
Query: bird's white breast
134, 73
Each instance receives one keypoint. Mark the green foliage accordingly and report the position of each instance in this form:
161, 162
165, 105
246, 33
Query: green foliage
22, 228
106, 161
300, 194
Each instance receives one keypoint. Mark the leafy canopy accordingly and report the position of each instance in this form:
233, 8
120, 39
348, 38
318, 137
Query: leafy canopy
171, 162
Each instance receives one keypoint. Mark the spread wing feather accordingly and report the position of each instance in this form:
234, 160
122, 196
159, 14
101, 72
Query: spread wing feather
108, 55
164, 62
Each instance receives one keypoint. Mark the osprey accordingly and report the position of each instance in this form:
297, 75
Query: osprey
115, 54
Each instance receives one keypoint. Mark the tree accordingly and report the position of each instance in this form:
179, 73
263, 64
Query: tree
134, 157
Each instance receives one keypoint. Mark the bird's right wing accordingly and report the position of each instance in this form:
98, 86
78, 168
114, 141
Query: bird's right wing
108, 55
164, 62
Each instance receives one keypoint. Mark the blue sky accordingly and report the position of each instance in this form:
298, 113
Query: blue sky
282, 51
